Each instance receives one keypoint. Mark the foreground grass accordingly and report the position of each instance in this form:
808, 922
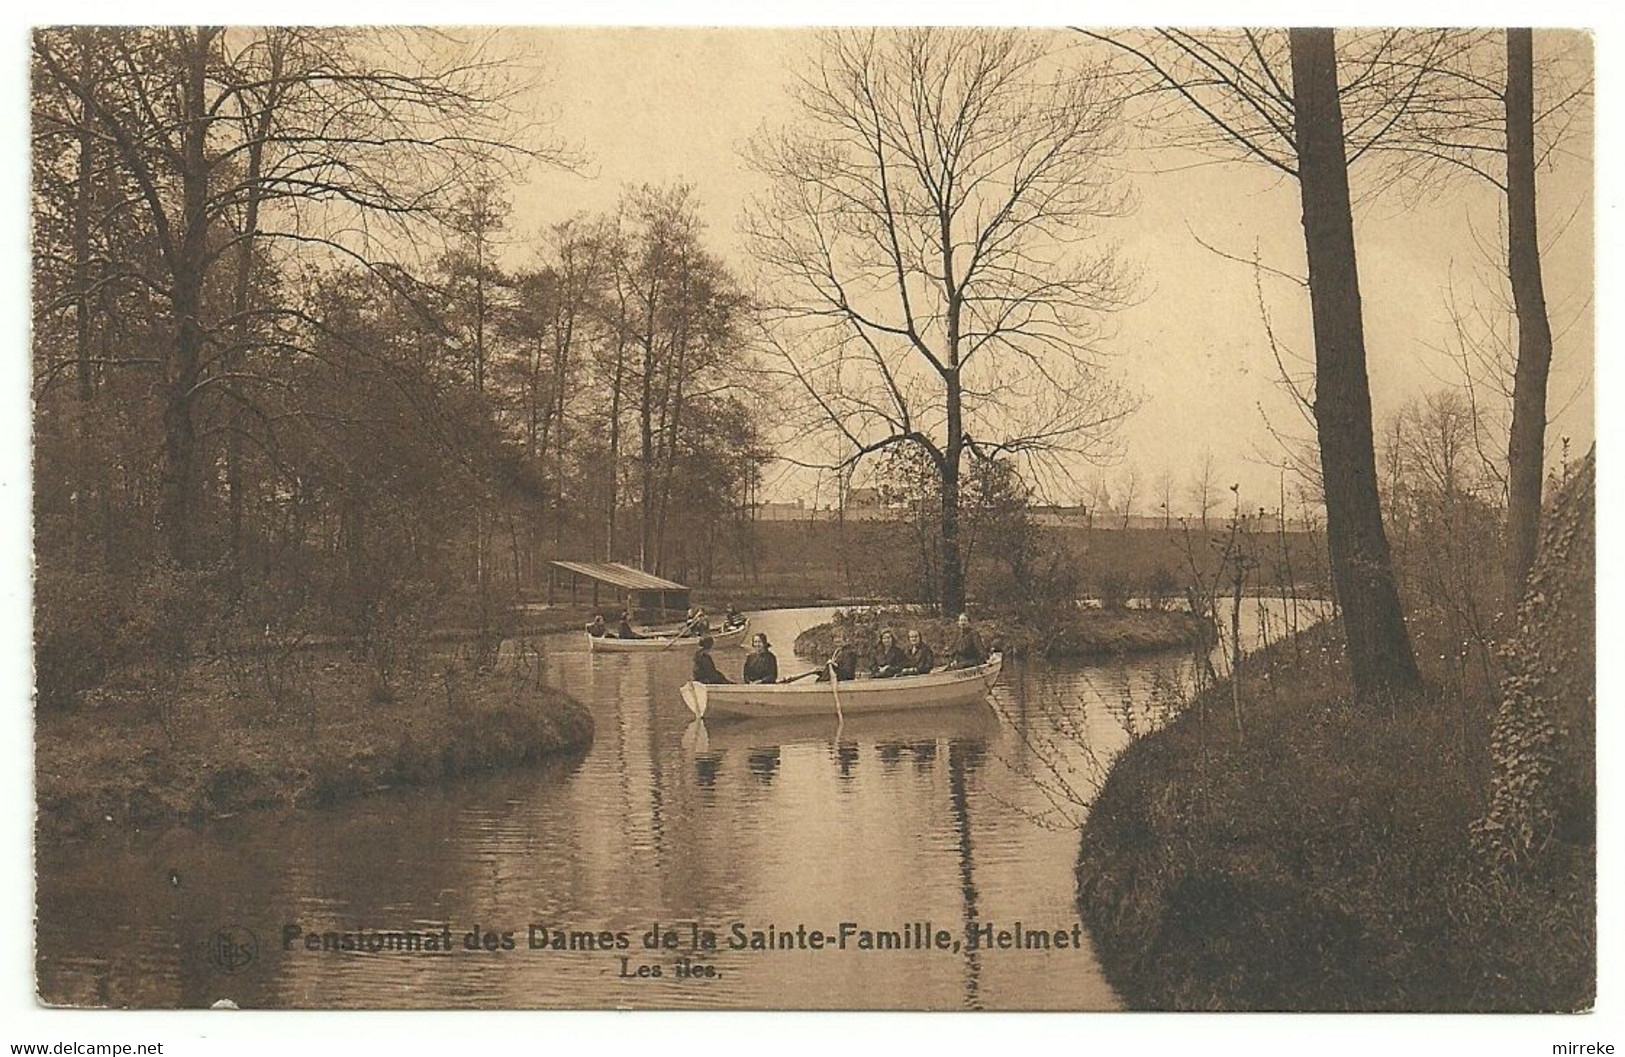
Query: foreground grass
1083, 633
1322, 862
217, 740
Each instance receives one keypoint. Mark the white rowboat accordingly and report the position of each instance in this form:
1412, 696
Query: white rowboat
969, 722
666, 643
940, 689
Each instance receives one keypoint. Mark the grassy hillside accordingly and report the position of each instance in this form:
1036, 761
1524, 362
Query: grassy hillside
1438, 854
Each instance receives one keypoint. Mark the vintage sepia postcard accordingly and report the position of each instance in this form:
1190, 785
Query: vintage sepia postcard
835, 519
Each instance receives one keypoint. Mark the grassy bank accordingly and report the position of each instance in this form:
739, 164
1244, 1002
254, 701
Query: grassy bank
1083, 633
225, 737
1323, 861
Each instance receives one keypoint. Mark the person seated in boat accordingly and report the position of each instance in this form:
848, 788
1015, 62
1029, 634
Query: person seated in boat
624, 629
696, 624
705, 668
732, 618
760, 664
889, 660
967, 651
843, 662
918, 659
597, 629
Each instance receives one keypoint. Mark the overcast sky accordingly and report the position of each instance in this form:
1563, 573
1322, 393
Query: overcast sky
658, 106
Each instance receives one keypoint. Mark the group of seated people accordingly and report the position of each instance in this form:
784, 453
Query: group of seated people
696, 623
891, 660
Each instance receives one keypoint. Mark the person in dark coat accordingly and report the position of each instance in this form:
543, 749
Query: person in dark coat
919, 659
705, 669
888, 658
843, 662
597, 628
624, 629
967, 650
732, 618
760, 664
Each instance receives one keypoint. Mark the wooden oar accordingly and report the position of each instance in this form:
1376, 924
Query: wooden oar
680, 633
835, 685
798, 678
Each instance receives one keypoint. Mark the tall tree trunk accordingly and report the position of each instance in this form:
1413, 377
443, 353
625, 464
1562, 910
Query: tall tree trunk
1526, 447
646, 464
953, 574
243, 329
671, 427
616, 383
83, 203
479, 311
84, 192
179, 505
646, 433
561, 402
482, 559
534, 447
1379, 646
646, 413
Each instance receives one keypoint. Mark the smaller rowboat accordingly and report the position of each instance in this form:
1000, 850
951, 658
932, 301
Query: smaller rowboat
668, 643
941, 689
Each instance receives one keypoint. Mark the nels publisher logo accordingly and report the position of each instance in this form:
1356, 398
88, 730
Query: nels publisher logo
233, 948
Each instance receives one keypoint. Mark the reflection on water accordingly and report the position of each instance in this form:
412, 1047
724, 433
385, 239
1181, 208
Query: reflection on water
956, 818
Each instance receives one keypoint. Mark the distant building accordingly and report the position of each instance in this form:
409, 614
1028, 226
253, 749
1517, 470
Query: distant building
1059, 515
1116, 520
863, 498
862, 504
794, 510
866, 504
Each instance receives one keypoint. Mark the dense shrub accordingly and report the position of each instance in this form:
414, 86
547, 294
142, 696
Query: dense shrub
76, 616
1161, 587
1112, 589
89, 624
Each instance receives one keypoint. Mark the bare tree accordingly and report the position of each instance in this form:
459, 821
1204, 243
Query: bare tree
1163, 488
1526, 445
575, 261
290, 138
673, 321
1100, 498
1202, 490
1480, 118
927, 237
1276, 98
1441, 505
1127, 490
1380, 656
477, 219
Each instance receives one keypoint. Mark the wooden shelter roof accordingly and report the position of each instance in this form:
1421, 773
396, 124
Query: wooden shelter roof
617, 575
